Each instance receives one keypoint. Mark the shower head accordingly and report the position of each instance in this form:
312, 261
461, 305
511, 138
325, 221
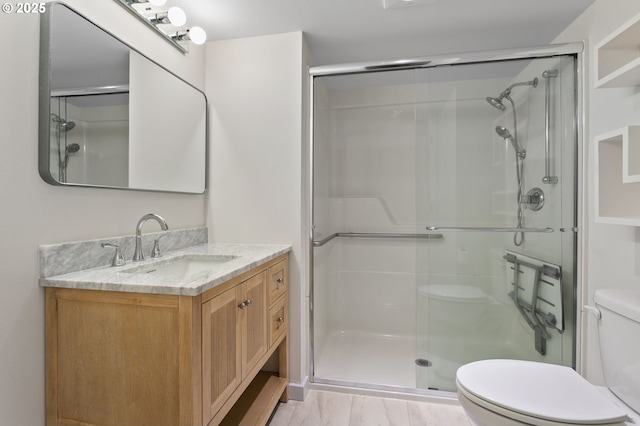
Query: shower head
497, 102
505, 134
73, 148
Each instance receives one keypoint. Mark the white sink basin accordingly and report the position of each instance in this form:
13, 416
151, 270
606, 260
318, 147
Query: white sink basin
183, 266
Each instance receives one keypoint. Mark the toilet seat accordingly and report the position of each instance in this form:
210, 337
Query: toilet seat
536, 393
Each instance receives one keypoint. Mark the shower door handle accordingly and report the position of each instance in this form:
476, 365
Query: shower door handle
487, 229
320, 243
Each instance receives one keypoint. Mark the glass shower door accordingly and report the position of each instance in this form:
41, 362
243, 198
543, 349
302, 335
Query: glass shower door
364, 221
403, 154
497, 181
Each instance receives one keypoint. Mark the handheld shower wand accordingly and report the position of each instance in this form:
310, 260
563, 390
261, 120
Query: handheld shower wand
505, 134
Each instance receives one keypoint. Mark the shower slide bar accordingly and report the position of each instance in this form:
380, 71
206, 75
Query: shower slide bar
485, 229
324, 241
548, 179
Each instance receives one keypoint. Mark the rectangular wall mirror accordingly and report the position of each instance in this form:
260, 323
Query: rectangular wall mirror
112, 118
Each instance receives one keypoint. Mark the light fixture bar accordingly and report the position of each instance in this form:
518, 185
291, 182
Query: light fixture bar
167, 23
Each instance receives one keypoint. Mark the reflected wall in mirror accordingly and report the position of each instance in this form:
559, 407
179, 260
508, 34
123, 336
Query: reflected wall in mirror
110, 117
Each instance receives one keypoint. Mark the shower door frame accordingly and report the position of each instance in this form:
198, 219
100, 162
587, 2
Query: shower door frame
575, 49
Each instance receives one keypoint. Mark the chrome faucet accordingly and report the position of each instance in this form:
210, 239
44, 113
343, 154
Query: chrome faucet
137, 254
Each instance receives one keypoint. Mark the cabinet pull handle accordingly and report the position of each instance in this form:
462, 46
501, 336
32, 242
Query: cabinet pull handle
242, 305
248, 302
278, 282
280, 321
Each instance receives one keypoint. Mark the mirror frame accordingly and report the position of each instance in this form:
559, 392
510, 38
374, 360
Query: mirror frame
44, 151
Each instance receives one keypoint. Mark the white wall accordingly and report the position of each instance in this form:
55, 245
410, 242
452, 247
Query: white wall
35, 213
612, 251
257, 119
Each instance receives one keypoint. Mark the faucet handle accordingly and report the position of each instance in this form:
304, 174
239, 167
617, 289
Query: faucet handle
118, 258
155, 251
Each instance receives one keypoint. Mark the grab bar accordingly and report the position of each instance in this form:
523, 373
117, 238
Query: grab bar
484, 229
324, 241
548, 179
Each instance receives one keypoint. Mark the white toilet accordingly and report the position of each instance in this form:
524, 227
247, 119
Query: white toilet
510, 392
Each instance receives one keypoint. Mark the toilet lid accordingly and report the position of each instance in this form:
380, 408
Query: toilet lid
546, 391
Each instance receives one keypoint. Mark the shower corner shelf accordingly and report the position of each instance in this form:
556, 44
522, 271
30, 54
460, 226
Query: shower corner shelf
617, 57
617, 177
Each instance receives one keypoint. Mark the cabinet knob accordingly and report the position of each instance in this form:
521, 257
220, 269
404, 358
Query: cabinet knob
245, 304
280, 321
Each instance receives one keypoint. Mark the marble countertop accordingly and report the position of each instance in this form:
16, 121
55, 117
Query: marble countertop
120, 278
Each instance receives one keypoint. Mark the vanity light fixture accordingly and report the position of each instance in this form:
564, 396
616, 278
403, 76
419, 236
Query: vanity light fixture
196, 34
177, 16
168, 23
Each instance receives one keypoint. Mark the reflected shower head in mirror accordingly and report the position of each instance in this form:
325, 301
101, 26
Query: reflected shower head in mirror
497, 102
73, 148
63, 124
67, 125
505, 134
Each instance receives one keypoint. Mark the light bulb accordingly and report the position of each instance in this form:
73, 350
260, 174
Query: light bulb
158, 2
177, 16
197, 35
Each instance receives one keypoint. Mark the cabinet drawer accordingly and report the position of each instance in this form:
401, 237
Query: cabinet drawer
277, 321
278, 281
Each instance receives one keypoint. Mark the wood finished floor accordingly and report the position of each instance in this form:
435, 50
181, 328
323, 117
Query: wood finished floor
338, 409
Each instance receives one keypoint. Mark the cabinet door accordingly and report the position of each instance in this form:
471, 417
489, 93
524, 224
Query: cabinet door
254, 321
221, 350
116, 358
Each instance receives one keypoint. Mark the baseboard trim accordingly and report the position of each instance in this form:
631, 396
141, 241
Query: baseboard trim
298, 391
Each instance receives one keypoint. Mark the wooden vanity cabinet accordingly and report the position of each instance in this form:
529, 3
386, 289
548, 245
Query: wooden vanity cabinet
234, 339
254, 399
116, 358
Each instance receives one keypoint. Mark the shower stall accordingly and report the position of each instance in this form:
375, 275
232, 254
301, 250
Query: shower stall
444, 216
89, 138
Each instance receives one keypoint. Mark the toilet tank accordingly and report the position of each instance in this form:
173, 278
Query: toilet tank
619, 333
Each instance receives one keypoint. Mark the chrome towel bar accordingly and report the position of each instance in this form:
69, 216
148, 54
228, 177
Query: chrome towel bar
324, 241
